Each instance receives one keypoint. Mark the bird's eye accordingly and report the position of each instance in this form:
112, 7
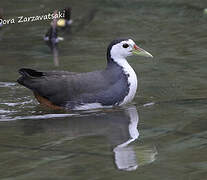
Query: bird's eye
125, 45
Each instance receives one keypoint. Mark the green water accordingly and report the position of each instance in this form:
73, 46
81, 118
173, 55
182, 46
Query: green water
162, 134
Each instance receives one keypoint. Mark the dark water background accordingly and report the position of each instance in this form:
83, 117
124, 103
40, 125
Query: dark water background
168, 113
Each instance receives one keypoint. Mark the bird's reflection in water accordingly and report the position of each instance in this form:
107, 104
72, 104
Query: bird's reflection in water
120, 127
51, 38
126, 155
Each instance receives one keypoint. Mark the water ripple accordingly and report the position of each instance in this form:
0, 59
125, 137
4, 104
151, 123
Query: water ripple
7, 84
45, 116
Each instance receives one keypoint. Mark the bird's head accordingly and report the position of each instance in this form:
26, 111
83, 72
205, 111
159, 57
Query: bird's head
122, 48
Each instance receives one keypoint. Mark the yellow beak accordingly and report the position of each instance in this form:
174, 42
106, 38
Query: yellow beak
141, 52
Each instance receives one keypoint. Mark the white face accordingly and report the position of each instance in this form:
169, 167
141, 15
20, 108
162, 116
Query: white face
122, 49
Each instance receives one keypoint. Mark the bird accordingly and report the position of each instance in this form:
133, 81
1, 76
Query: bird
115, 85
51, 37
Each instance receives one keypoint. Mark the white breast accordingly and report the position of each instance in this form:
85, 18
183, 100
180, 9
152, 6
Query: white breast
132, 80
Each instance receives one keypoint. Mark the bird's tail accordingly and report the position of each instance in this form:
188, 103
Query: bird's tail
28, 74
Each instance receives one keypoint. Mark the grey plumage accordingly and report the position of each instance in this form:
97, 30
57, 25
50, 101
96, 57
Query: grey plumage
68, 89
